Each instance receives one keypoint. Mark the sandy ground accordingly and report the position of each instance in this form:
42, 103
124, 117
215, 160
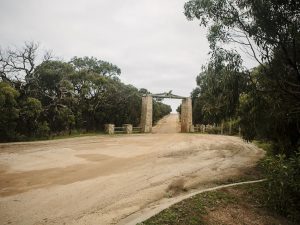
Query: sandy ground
104, 179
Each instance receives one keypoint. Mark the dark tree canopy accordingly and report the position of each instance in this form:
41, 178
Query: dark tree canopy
264, 101
92, 64
56, 97
269, 31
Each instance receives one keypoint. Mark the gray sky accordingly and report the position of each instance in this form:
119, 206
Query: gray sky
150, 40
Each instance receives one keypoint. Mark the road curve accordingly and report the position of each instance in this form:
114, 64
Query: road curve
104, 179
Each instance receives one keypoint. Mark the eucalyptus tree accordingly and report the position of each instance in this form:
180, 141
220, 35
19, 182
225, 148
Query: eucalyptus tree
92, 64
269, 31
42, 96
9, 111
219, 86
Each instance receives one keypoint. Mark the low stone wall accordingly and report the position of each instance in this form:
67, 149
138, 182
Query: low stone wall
109, 128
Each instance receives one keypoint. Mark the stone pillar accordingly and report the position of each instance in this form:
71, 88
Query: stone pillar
146, 117
186, 115
192, 128
222, 128
109, 128
203, 128
128, 128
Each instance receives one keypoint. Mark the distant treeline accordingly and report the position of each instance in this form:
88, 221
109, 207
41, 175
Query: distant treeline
56, 97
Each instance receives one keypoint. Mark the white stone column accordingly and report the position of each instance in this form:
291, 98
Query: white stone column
222, 127
109, 128
146, 117
186, 115
128, 128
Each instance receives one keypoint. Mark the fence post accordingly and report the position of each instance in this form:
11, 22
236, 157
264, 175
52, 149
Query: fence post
192, 128
222, 128
128, 128
109, 128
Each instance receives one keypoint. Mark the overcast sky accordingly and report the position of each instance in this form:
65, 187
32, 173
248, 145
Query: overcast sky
150, 40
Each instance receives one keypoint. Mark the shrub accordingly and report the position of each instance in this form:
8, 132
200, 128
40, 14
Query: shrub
43, 130
213, 130
283, 185
234, 127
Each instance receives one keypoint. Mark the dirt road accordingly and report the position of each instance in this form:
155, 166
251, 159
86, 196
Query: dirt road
102, 179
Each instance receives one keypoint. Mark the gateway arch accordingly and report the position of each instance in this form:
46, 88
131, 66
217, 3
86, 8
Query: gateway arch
147, 112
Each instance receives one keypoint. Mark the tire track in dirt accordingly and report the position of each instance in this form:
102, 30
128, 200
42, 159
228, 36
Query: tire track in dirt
102, 179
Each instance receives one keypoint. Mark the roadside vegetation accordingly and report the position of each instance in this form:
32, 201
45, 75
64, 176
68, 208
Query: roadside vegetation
253, 203
264, 101
43, 97
235, 205
267, 202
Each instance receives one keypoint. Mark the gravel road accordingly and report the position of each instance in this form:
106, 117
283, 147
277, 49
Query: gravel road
104, 179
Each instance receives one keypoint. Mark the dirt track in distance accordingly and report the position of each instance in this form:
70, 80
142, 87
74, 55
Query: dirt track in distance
103, 179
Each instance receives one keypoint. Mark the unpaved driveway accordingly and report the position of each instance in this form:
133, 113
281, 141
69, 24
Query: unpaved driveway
102, 179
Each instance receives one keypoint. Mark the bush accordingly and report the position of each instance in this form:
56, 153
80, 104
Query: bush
283, 185
43, 130
213, 130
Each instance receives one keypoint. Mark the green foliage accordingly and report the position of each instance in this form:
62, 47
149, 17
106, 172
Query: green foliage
9, 111
160, 110
219, 85
265, 100
259, 108
267, 23
60, 119
213, 130
43, 130
92, 64
267, 146
56, 98
29, 115
267, 103
50, 74
191, 211
283, 184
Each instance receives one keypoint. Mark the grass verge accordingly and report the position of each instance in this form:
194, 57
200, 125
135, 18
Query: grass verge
238, 205
235, 205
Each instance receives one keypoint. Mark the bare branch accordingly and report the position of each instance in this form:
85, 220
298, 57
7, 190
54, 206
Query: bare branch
48, 55
18, 64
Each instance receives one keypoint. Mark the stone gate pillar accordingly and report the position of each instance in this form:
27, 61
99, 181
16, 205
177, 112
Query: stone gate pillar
146, 117
186, 115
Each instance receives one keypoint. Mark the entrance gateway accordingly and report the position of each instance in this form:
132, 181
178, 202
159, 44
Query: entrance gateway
147, 111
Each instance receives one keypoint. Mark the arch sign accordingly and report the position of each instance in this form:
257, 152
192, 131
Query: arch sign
147, 111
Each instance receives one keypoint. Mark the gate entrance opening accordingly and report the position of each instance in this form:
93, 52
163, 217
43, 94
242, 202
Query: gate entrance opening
147, 112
